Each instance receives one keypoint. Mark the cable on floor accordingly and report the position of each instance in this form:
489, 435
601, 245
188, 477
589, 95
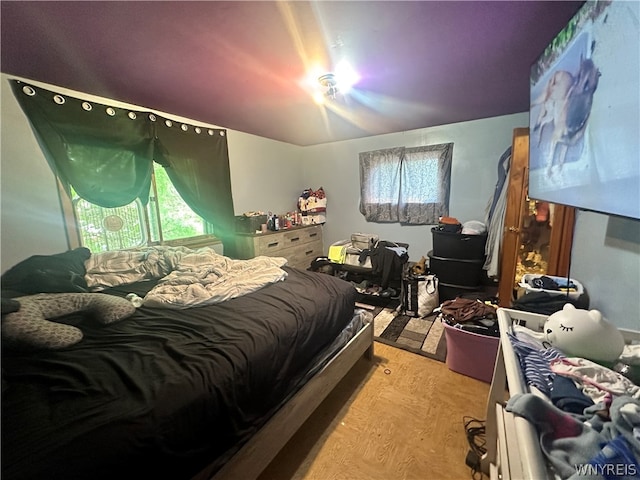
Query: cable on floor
475, 432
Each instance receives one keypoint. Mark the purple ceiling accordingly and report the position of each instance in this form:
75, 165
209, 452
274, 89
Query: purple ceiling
240, 65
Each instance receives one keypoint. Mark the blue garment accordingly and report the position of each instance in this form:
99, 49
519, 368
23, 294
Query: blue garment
535, 363
568, 397
400, 251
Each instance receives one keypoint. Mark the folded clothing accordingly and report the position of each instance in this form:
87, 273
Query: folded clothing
535, 361
568, 397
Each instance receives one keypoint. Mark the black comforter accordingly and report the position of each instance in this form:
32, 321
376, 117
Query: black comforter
161, 394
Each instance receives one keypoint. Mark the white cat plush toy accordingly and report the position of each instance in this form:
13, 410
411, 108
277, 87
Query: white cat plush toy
583, 333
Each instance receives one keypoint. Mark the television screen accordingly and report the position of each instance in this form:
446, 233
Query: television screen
584, 144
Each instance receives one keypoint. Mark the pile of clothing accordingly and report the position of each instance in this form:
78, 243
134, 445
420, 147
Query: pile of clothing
387, 260
470, 314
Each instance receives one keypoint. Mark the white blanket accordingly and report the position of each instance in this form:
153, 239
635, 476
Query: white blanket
188, 278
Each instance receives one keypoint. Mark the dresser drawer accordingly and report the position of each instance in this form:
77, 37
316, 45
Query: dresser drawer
299, 245
272, 244
301, 256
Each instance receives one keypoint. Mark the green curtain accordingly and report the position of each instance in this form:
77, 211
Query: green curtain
107, 154
197, 162
104, 152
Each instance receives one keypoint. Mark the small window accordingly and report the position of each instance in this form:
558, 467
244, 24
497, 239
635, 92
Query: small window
176, 219
166, 217
103, 229
406, 185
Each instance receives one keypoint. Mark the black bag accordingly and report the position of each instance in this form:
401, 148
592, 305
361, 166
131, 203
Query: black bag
322, 265
419, 295
545, 303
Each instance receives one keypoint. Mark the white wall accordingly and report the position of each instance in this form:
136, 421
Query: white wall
31, 219
606, 260
477, 147
265, 174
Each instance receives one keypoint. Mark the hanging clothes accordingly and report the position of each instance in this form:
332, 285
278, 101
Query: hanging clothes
495, 216
387, 259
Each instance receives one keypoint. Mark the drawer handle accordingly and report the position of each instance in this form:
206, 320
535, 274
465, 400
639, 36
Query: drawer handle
308, 252
274, 244
295, 239
313, 234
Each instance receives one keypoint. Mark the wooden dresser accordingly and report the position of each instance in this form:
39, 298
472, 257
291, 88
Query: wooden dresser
299, 245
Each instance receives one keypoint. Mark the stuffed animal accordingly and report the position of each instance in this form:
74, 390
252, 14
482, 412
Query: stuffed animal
419, 268
31, 326
583, 333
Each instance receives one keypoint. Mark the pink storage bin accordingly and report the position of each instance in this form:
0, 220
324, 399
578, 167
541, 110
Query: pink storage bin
471, 354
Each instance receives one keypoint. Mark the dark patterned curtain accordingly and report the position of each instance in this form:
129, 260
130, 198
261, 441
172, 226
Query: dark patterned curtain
406, 185
380, 184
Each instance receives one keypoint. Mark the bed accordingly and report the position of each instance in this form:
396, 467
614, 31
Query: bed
208, 391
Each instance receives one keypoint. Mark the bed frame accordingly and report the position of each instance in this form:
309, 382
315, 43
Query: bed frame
262, 448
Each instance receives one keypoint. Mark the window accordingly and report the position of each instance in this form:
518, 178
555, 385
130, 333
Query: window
166, 217
406, 185
103, 229
176, 218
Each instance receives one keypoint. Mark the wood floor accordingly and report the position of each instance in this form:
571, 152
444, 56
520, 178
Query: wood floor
399, 416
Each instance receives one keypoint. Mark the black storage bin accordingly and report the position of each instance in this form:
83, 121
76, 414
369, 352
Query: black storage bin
251, 224
456, 271
449, 292
458, 245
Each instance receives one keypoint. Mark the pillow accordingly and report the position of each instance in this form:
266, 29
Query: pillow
31, 326
61, 272
9, 305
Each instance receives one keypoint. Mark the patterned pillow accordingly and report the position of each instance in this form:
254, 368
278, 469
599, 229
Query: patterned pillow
31, 326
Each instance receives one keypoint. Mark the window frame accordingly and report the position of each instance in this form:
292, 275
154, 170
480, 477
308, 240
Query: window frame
74, 234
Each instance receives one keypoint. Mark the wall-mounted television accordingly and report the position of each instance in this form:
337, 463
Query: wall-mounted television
584, 129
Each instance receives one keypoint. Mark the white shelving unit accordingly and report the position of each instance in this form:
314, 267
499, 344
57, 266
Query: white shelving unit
513, 447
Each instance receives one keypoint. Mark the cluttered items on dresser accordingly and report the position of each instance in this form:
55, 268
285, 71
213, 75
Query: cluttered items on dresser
312, 204
260, 222
311, 210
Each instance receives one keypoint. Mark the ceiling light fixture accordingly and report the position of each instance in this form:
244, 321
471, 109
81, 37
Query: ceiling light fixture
330, 84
